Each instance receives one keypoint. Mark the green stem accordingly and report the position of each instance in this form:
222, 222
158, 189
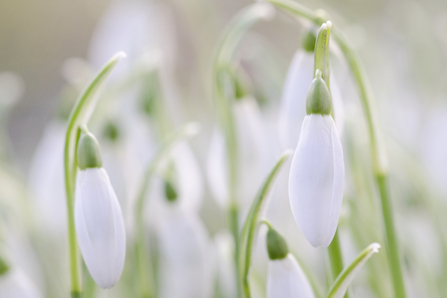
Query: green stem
336, 258
391, 243
141, 247
377, 152
222, 61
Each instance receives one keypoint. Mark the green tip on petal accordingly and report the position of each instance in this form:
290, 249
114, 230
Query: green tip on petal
276, 245
4, 267
318, 97
170, 192
88, 151
309, 41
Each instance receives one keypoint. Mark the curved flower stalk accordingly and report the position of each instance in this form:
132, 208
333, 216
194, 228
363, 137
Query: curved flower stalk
316, 180
99, 221
186, 267
285, 279
248, 231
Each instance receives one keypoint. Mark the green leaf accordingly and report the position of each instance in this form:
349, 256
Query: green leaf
345, 278
248, 231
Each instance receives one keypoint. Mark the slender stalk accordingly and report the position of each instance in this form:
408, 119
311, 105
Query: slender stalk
248, 231
141, 247
222, 61
377, 152
336, 258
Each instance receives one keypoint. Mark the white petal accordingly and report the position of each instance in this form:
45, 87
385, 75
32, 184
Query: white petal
338, 186
217, 170
286, 279
190, 181
316, 180
293, 101
185, 257
100, 227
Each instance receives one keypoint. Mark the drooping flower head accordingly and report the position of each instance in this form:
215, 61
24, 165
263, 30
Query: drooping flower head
316, 178
98, 217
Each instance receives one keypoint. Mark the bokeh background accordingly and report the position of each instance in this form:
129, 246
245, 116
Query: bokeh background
402, 44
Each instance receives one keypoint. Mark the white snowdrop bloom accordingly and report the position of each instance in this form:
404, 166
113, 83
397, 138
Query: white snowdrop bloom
293, 100
186, 267
317, 172
98, 217
286, 279
15, 284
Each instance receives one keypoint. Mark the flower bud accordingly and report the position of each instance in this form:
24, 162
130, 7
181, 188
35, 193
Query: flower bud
318, 97
276, 245
170, 192
309, 41
88, 151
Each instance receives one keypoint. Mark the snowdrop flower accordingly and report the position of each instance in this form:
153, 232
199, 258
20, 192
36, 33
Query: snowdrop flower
99, 221
317, 172
186, 265
298, 79
285, 279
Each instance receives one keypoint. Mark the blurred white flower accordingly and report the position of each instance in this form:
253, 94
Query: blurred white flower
46, 179
100, 227
134, 27
293, 100
316, 180
15, 284
186, 266
253, 153
226, 278
286, 279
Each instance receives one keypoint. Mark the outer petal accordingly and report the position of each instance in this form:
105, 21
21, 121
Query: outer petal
217, 170
286, 279
293, 101
316, 180
100, 227
338, 186
185, 257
